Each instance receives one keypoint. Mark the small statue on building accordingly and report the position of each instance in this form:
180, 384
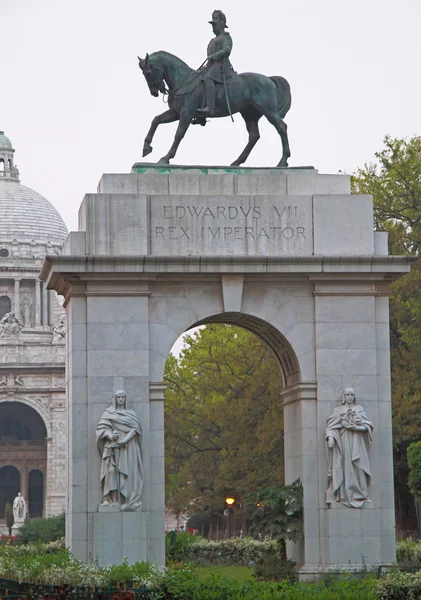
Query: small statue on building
348, 436
59, 330
18, 381
10, 326
118, 436
26, 311
3, 381
19, 509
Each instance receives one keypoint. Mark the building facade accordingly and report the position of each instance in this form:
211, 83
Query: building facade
33, 440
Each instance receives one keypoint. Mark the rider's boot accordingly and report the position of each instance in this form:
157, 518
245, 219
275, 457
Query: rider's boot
209, 109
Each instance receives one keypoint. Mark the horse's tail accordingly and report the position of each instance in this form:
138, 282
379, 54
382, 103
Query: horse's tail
284, 95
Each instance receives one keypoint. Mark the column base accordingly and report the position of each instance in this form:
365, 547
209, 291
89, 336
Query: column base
119, 535
309, 572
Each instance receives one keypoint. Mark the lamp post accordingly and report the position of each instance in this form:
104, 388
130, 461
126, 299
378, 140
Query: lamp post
229, 502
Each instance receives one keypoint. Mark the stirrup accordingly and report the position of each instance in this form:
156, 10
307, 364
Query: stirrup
199, 121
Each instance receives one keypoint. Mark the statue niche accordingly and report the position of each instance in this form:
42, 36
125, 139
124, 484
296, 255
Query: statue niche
118, 436
348, 437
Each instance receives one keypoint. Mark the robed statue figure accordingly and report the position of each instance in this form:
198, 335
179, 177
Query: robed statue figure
348, 436
118, 436
19, 509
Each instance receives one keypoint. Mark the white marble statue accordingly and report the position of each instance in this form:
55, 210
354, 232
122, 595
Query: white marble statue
118, 437
19, 509
10, 325
59, 330
348, 436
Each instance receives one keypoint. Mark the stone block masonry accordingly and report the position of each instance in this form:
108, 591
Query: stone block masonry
286, 253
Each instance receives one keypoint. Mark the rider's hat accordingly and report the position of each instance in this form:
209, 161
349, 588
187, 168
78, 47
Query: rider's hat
219, 17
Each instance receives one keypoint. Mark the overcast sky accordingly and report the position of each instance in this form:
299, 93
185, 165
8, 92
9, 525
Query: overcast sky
75, 104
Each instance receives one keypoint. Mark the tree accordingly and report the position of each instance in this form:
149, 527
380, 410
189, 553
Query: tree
396, 186
8, 515
224, 426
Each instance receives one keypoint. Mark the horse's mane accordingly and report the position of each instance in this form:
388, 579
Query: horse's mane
168, 55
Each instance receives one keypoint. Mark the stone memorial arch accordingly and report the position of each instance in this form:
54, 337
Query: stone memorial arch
288, 254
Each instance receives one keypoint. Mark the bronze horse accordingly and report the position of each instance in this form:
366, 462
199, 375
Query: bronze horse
250, 94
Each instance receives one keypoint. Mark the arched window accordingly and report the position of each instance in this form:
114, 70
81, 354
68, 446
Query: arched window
4, 252
2, 167
35, 493
9, 486
5, 305
9, 164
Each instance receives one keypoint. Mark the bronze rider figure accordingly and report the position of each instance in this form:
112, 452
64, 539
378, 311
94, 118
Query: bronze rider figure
218, 66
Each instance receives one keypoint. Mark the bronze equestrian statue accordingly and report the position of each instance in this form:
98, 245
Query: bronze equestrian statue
215, 90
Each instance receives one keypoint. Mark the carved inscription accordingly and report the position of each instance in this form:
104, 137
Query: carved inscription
243, 224
229, 213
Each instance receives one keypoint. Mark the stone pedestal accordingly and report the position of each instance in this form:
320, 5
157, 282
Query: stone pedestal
285, 253
119, 535
16, 527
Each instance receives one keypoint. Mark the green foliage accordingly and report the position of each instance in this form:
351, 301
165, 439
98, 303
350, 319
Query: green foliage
396, 186
43, 530
279, 512
399, 586
52, 563
408, 552
176, 544
184, 584
8, 516
276, 568
232, 551
414, 463
224, 423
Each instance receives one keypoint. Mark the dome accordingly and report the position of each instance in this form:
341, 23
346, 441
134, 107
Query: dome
4, 141
26, 215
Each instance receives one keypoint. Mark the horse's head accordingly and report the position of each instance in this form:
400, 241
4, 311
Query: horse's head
154, 76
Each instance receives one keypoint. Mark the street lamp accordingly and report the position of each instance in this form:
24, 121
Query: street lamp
230, 501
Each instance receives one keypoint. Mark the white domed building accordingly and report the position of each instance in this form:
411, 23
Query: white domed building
33, 441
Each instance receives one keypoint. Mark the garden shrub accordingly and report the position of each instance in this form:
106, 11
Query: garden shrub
275, 567
399, 586
408, 552
232, 551
43, 530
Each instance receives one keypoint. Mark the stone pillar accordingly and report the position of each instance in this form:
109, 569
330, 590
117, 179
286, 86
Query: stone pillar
24, 481
17, 298
301, 440
157, 462
352, 351
44, 305
107, 351
37, 302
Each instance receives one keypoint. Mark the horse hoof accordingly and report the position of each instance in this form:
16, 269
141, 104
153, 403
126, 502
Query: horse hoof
147, 149
283, 163
164, 161
236, 163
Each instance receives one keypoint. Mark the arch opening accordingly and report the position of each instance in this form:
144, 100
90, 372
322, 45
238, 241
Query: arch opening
237, 445
272, 337
23, 444
20, 423
9, 486
36, 493
5, 305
